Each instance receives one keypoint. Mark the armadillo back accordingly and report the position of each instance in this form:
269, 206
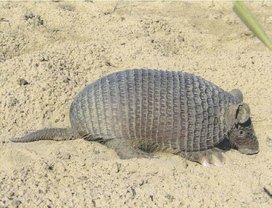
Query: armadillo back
174, 110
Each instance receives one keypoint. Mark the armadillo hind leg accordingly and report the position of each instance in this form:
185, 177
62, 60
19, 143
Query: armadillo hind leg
125, 150
49, 134
213, 156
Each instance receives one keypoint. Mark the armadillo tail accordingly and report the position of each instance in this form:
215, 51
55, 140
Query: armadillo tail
49, 134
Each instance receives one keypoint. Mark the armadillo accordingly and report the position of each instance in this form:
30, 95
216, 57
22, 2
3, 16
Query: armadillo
139, 111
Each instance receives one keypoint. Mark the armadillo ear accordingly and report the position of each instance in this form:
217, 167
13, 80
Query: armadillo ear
237, 93
243, 113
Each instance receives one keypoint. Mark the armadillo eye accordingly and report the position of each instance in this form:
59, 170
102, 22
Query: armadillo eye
241, 132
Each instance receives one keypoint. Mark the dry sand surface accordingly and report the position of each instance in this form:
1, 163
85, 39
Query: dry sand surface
50, 51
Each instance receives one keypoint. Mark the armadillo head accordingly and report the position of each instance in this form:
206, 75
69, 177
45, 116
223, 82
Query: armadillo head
242, 135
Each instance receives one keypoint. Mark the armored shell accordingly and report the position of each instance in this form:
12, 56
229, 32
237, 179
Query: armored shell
174, 110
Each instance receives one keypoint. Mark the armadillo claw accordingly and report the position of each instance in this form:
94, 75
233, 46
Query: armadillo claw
216, 161
205, 162
226, 159
213, 156
218, 157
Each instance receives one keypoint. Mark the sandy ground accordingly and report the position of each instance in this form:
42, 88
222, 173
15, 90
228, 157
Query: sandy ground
50, 51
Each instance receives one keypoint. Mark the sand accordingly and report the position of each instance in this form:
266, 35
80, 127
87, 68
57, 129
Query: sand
50, 51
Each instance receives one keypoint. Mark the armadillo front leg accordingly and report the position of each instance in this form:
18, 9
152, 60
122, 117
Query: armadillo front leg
49, 134
125, 150
210, 156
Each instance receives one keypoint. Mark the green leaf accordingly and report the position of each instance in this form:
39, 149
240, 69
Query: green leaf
247, 17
